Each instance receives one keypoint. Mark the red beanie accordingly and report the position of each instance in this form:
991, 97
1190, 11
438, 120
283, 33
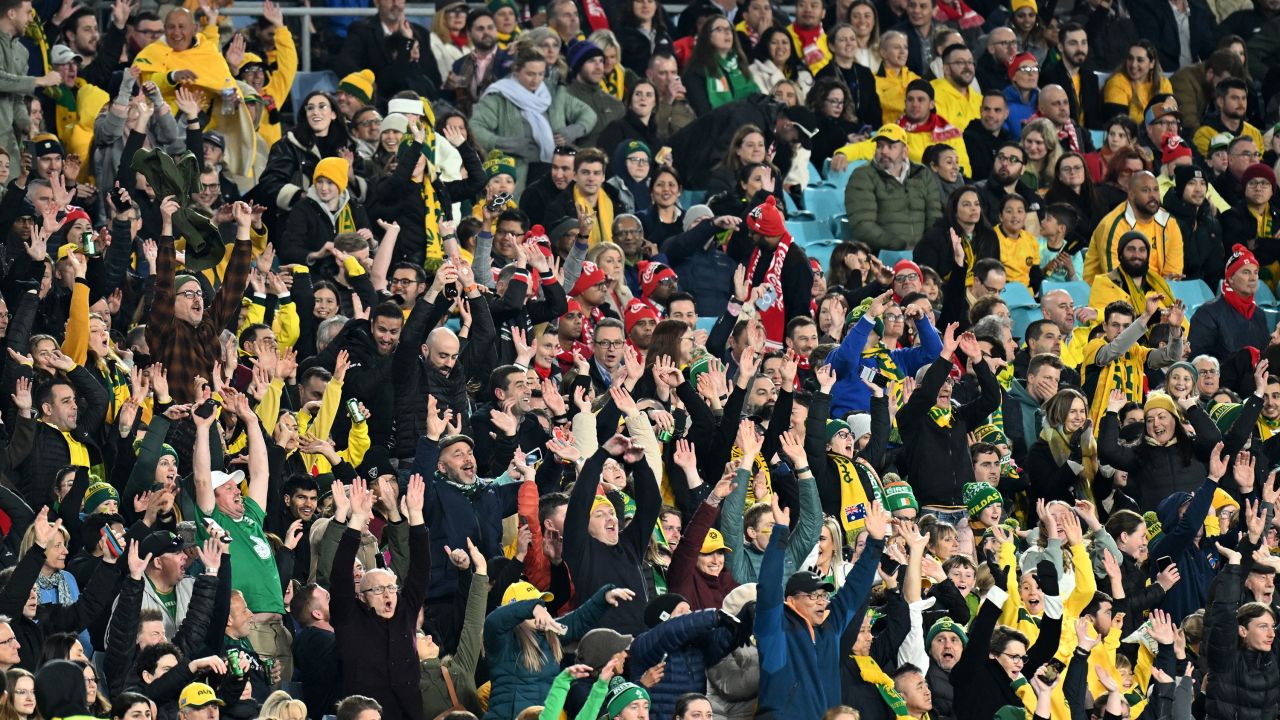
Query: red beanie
638, 310
539, 236
907, 265
73, 214
1017, 61
652, 273
1258, 170
766, 219
591, 275
573, 307
1240, 256
1172, 147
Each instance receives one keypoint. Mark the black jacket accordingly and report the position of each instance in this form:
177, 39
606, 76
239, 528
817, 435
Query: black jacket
982, 146
388, 56
991, 75
1090, 98
700, 145
1243, 685
1110, 31
1159, 25
1155, 471
37, 451
537, 198
934, 249
318, 666
636, 47
290, 167
936, 457
862, 84
1240, 226
1218, 329
627, 127
309, 227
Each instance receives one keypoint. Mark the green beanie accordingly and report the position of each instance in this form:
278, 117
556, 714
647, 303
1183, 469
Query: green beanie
1224, 414
946, 624
856, 314
97, 494
991, 433
621, 694
835, 426
701, 363
1011, 712
1154, 529
898, 495
978, 496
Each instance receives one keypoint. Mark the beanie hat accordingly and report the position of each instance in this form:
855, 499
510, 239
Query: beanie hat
359, 85
1224, 414
622, 693
97, 494
991, 433
701, 363
73, 214
499, 163
636, 311
1016, 62
1154, 529
182, 279
905, 264
660, 608
1131, 236
766, 219
1184, 174
1258, 170
1173, 147
978, 496
834, 427
1195, 374
946, 624
696, 213
859, 424
496, 5
591, 275
1162, 401
651, 274
1011, 712
637, 146
898, 495
335, 170
1240, 256
861, 309
579, 53
921, 85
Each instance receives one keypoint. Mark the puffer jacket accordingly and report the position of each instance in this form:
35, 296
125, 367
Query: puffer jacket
513, 687
891, 215
944, 694
1217, 329
37, 451
850, 393
704, 269
734, 683
1243, 685
1156, 471
310, 225
691, 644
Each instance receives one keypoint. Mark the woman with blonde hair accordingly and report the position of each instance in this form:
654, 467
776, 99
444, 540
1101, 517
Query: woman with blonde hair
893, 77
612, 261
827, 558
1133, 84
279, 705
545, 41
1040, 142
617, 78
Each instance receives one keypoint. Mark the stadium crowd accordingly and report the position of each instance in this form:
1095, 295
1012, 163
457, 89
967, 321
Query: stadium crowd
862, 359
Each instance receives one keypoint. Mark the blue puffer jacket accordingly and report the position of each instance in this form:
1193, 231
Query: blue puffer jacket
799, 663
850, 394
691, 643
515, 687
1178, 542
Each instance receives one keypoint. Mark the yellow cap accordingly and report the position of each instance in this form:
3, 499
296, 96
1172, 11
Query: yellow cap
1016, 5
602, 500
714, 542
892, 133
66, 249
197, 695
525, 591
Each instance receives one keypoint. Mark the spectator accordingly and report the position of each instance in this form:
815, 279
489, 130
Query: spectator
891, 201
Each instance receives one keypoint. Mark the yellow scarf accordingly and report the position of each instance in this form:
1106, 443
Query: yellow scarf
602, 229
1126, 373
941, 416
615, 83
853, 496
78, 452
345, 222
434, 212
870, 671
759, 466
1267, 428
1138, 296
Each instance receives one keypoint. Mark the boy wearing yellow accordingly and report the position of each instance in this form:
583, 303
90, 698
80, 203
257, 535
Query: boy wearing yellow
1019, 250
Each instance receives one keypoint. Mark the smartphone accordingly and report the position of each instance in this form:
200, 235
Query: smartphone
874, 376
533, 458
113, 542
499, 201
206, 408
1163, 562
210, 526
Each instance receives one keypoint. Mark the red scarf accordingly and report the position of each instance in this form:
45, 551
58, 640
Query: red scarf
773, 317
589, 324
959, 13
1243, 305
1066, 135
460, 40
810, 52
596, 16
565, 357
939, 129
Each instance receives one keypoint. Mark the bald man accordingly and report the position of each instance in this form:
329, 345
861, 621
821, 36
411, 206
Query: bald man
993, 64
1141, 212
1055, 105
188, 57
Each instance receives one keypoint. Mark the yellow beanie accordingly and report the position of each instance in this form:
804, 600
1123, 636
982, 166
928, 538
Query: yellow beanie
1017, 5
359, 84
333, 169
1162, 401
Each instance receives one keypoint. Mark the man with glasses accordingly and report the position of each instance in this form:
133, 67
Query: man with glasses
609, 348
366, 129
992, 68
407, 283
984, 136
956, 99
1006, 179
1241, 154
1208, 376
209, 197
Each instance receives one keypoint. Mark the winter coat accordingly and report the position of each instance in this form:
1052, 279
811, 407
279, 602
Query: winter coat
606, 107
937, 457
690, 644
310, 225
37, 450
704, 269
1202, 245
1022, 419
379, 655
50, 617
1090, 98
1239, 225
1156, 471
455, 518
513, 687
627, 127
15, 85
850, 394
699, 146
891, 215
389, 56
110, 132
1159, 25
734, 684
683, 576
944, 694
1243, 683
799, 663
497, 123
462, 665
1178, 542
372, 385
1217, 329
934, 249
288, 174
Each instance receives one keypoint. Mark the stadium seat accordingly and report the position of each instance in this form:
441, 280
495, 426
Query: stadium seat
793, 211
821, 251
838, 178
807, 231
1017, 295
824, 202
838, 223
1264, 297
1099, 138
1078, 289
305, 83
706, 323
1192, 293
689, 198
891, 257
1022, 317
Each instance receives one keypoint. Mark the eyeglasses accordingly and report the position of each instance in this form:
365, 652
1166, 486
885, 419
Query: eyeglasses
1029, 69
835, 101
610, 344
818, 596
961, 63
402, 281
12, 639
191, 294
7, 315
371, 122
1072, 169
638, 160
893, 317
1247, 153
1009, 159
382, 590
211, 186
906, 278
1258, 183
1015, 658
1210, 372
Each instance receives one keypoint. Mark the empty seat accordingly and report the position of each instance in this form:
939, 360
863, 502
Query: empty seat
821, 251
823, 202
891, 257
1078, 289
1017, 295
1192, 293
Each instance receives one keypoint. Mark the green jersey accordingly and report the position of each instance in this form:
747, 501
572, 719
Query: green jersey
253, 563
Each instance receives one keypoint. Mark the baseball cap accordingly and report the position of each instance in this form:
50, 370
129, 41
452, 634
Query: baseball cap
160, 542
197, 695
61, 55
807, 582
892, 133
216, 139
220, 478
714, 542
525, 591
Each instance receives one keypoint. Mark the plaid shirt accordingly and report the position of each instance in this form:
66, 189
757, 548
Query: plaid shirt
186, 350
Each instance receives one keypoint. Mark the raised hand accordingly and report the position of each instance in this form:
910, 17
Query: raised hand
1231, 554
21, 393
1218, 461
878, 521
623, 400
748, 441
793, 447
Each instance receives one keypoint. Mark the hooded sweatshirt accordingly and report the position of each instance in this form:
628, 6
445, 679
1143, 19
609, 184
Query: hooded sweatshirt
1196, 565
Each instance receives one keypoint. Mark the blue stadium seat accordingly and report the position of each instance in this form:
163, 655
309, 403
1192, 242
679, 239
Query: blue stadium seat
307, 82
838, 223
821, 251
839, 178
1099, 138
1193, 293
1078, 289
1022, 317
816, 176
807, 231
793, 211
824, 202
706, 323
1264, 297
1017, 295
689, 198
891, 257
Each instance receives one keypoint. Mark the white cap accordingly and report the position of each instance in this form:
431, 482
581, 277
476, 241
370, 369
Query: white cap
61, 55
220, 478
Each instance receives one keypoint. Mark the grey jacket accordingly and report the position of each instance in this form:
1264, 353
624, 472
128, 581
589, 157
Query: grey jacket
15, 85
109, 132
